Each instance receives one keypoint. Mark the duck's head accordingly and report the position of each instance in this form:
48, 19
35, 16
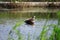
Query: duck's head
33, 17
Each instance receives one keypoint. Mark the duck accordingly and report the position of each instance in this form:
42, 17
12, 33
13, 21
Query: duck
30, 21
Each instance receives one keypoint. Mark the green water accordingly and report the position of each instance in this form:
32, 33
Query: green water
10, 14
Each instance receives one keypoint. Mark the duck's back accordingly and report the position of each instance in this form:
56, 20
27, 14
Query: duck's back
29, 22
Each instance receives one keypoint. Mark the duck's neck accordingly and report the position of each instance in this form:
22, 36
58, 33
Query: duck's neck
33, 19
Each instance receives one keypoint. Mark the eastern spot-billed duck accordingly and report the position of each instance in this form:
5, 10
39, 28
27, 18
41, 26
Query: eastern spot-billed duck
30, 21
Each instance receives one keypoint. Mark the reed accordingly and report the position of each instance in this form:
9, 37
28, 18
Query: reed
17, 32
58, 15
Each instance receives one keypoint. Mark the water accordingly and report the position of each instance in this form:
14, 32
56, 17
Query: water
25, 30
8, 19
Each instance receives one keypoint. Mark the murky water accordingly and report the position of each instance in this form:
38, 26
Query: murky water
25, 30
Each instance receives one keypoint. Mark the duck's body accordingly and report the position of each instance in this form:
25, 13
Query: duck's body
30, 21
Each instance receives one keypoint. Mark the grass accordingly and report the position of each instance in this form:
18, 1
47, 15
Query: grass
20, 37
43, 35
58, 15
28, 37
55, 32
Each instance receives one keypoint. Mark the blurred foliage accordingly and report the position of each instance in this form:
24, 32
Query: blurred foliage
56, 33
58, 15
17, 32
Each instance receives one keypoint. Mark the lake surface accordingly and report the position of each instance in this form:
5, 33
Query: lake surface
34, 31
8, 20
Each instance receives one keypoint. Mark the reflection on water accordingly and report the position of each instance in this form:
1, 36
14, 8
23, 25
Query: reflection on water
34, 32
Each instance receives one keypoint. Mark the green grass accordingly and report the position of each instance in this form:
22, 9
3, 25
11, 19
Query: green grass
18, 24
17, 32
58, 15
55, 32
20, 37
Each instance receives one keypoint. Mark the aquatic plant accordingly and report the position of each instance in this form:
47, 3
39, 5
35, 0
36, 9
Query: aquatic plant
58, 16
18, 24
56, 33
43, 33
28, 37
17, 32
56, 29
